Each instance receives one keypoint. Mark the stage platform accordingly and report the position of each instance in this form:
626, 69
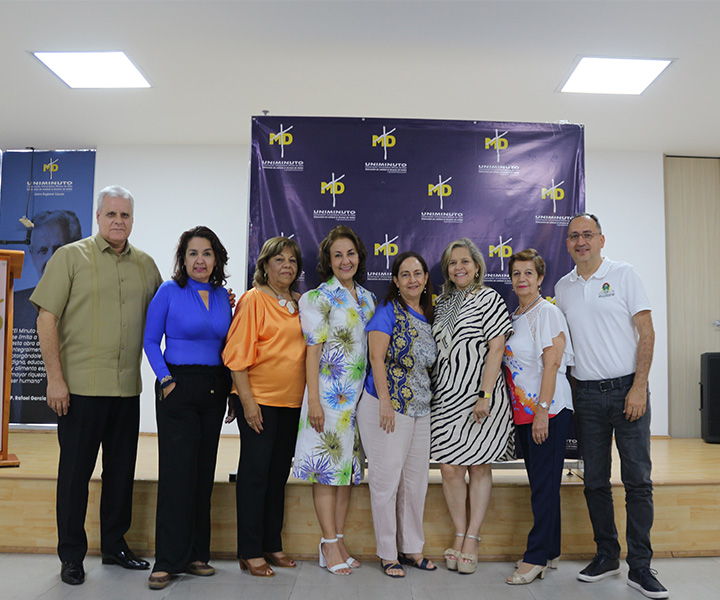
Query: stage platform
687, 505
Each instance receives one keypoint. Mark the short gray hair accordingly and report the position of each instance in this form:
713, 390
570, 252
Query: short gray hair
115, 191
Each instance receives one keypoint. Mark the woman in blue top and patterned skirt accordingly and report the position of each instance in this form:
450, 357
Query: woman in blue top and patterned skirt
394, 414
192, 311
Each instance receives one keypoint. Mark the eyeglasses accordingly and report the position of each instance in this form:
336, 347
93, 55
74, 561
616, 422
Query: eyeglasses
586, 235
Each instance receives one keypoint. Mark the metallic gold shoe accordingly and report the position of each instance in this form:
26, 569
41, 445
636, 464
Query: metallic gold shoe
158, 582
200, 568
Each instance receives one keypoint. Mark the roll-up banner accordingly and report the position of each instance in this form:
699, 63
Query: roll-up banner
46, 200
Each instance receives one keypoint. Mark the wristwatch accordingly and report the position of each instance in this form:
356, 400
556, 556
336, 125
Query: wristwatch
544, 405
484, 394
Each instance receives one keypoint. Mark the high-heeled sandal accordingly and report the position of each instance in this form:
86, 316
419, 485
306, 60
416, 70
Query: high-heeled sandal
525, 578
552, 563
349, 561
262, 570
451, 555
335, 569
284, 562
467, 561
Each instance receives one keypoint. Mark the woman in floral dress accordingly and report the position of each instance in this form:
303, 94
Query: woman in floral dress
333, 319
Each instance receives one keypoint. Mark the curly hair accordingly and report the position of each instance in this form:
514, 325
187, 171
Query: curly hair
324, 266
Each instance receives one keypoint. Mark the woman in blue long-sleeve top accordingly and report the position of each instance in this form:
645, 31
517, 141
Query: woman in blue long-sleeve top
192, 311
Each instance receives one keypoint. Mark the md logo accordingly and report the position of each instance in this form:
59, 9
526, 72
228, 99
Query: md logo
334, 186
441, 188
499, 142
502, 250
51, 166
555, 192
283, 138
385, 140
388, 249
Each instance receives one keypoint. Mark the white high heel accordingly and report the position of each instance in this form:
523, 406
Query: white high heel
350, 560
323, 561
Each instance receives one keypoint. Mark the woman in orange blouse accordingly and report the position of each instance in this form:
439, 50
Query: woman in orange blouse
265, 351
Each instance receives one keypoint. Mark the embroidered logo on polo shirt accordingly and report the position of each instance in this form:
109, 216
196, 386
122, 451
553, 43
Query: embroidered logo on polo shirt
607, 291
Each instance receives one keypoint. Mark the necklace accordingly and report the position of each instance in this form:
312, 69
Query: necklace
528, 307
291, 304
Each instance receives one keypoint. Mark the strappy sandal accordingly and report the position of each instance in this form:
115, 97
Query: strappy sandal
467, 562
335, 569
349, 561
538, 571
423, 564
451, 556
392, 565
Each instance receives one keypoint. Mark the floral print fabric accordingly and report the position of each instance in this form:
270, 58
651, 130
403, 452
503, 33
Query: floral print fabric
329, 315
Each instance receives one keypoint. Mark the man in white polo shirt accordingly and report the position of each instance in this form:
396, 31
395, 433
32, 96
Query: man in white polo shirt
608, 313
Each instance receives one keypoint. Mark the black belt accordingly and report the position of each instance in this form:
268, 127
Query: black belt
606, 385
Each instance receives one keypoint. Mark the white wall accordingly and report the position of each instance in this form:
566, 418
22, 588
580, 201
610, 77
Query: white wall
177, 188
625, 190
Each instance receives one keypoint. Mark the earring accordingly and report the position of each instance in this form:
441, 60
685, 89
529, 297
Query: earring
477, 274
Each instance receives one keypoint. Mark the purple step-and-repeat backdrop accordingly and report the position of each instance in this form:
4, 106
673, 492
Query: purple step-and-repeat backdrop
409, 184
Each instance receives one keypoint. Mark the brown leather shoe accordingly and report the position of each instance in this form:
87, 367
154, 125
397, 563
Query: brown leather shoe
159, 580
200, 568
280, 561
262, 570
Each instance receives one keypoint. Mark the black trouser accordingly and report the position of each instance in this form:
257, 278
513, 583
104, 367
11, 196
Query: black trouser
263, 470
189, 422
90, 422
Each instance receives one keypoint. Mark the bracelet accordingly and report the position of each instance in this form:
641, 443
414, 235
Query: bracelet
166, 381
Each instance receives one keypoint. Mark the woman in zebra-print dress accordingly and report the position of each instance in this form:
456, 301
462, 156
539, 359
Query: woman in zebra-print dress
471, 412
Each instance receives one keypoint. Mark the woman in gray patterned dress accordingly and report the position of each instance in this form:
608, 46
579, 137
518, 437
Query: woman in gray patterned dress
471, 412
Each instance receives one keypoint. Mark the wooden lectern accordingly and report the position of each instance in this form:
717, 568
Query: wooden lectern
11, 262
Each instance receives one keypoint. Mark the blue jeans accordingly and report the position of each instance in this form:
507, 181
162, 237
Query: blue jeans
599, 415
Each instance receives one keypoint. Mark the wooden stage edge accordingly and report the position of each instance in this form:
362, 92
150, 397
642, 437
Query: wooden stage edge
686, 474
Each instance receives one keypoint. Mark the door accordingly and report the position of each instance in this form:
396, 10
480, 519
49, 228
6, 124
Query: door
692, 230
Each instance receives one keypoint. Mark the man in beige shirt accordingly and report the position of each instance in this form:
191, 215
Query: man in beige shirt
92, 300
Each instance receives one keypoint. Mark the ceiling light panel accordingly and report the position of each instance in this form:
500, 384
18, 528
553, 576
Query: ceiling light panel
93, 69
596, 75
